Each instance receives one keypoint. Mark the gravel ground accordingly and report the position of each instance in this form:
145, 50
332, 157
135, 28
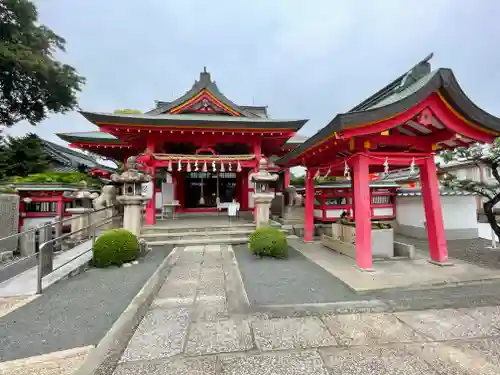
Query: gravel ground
295, 280
473, 251
74, 312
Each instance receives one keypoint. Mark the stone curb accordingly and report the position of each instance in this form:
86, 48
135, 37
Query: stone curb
346, 307
103, 358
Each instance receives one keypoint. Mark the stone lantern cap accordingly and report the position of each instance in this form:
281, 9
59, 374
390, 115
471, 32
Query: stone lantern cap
263, 175
82, 192
131, 175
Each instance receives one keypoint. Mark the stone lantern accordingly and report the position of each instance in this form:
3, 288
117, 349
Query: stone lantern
131, 195
263, 196
81, 210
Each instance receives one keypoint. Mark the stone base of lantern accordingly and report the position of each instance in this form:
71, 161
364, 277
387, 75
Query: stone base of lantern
80, 219
262, 205
132, 213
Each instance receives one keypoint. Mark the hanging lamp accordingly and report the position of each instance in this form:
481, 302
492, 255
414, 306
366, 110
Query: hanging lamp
238, 167
169, 168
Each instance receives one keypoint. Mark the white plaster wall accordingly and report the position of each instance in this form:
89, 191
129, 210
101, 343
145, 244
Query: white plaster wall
459, 212
382, 211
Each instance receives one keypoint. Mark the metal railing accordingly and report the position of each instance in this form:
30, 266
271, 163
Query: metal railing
26, 245
46, 249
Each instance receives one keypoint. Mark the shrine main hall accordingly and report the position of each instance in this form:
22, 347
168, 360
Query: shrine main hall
202, 147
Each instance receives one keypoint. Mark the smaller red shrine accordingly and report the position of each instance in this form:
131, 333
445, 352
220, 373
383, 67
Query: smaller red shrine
402, 125
333, 198
201, 147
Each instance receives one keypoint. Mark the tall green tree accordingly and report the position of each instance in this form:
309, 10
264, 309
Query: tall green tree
22, 156
482, 156
32, 82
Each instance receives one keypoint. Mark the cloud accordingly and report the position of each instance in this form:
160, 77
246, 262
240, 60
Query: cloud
303, 59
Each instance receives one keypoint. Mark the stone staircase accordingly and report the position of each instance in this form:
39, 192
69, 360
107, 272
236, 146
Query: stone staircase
236, 233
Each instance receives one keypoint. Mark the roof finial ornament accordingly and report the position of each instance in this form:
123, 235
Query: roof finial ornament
204, 69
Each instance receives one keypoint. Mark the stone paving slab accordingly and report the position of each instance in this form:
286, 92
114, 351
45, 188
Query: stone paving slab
178, 288
462, 357
209, 308
369, 329
291, 333
9, 304
63, 362
417, 273
448, 324
160, 334
219, 337
181, 366
303, 363
383, 360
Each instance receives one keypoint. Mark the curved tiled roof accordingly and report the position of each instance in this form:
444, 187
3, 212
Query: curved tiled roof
403, 93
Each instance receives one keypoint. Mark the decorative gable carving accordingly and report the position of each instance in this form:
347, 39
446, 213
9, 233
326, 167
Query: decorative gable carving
204, 103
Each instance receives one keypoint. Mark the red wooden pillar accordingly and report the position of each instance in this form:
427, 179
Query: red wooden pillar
244, 189
151, 205
309, 206
353, 212
257, 150
433, 212
361, 195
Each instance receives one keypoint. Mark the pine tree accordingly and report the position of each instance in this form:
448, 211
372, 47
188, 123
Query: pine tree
32, 82
481, 156
22, 156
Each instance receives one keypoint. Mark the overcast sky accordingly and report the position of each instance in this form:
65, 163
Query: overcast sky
303, 59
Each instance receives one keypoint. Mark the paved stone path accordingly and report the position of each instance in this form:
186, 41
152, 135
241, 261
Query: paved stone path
199, 324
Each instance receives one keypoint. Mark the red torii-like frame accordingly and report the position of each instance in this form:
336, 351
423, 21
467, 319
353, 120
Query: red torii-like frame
408, 131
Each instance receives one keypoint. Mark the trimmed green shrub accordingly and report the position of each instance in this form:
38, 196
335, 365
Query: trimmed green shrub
269, 242
115, 247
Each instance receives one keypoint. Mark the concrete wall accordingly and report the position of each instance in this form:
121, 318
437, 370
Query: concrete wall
9, 221
459, 215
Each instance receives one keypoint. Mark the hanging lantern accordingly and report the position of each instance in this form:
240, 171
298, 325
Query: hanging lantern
179, 166
213, 166
169, 168
188, 166
412, 165
196, 166
347, 174
229, 169
222, 169
238, 167
386, 166
205, 167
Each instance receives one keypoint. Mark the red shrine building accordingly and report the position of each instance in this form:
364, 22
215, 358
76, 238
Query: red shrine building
200, 147
402, 125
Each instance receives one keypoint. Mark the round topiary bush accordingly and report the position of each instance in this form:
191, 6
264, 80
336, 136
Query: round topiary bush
269, 242
115, 247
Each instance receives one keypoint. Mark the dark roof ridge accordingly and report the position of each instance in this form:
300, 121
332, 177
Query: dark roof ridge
396, 85
204, 83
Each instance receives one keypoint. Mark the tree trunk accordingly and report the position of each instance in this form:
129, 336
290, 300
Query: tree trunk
490, 215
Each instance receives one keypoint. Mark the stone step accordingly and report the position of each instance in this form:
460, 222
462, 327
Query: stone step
201, 241
191, 228
167, 235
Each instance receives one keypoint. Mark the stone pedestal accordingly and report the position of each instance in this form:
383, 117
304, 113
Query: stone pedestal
80, 219
262, 204
132, 213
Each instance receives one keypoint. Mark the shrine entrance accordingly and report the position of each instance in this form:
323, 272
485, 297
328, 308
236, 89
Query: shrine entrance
203, 188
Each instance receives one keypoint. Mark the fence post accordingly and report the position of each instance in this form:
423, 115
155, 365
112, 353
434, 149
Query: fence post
45, 254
